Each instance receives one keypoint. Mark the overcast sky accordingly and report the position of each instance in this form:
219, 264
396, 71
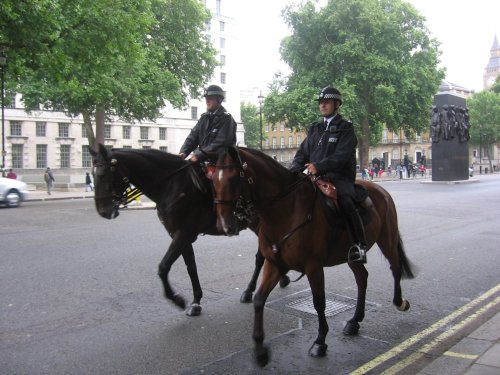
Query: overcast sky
465, 29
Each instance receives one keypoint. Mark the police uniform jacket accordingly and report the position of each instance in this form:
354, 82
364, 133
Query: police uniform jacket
213, 131
332, 151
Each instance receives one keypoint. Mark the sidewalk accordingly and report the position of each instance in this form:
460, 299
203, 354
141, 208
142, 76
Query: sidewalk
476, 354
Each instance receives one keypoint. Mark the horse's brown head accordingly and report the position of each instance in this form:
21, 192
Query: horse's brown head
110, 183
228, 183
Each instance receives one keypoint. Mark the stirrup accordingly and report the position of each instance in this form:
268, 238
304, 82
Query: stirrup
356, 254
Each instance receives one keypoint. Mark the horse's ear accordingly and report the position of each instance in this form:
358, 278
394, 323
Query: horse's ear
234, 153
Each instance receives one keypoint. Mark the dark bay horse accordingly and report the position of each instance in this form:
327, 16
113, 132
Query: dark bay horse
184, 204
296, 234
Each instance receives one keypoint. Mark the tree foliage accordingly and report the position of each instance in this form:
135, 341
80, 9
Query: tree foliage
251, 122
484, 110
376, 52
105, 58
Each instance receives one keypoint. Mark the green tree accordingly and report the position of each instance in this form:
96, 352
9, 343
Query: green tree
251, 122
484, 110
376, 52
121, 58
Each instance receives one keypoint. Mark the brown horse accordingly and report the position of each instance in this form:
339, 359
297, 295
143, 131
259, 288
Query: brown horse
297, 234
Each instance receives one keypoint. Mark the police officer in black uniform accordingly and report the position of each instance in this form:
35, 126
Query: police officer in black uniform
215, 129
330, 150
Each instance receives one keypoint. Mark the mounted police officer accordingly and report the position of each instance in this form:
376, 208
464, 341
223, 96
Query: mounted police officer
330, 149
215, 129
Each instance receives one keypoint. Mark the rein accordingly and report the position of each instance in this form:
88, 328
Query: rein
130, 194
245, 210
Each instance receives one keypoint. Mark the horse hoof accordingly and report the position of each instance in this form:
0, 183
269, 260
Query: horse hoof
405, 306
284, 281
318, 350
194, 310
246, 297
179, 301
262, 356
351, 328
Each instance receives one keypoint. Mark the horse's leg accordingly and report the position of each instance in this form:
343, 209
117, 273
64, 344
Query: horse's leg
189, 259
174, 251
270, 278
361, 276
246, 297
316, 278
397, 266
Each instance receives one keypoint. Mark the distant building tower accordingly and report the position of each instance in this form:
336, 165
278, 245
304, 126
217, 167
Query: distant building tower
492, 70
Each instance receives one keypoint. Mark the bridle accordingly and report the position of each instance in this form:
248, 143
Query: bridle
128, 193
245, 209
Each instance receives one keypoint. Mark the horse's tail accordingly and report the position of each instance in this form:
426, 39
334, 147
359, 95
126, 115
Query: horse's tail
406, 266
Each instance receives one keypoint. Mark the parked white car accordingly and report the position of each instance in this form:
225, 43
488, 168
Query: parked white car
12, 192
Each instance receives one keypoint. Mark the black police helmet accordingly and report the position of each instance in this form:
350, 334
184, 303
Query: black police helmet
214, 90
330, 93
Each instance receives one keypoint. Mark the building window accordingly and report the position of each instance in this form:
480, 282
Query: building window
275, 142
146, 147
290, 142
395, 138
107, 131
164, 148
63, 130
86, 157
217, 7
194, 113
163, 133
223, 59
267, 128
144, 132
65, 156
41, 156
282, 142
41, 128
17, 156
129, 147
299, 140
126, 132
282, 127
84, 131
223, 78
222, 43
222, 25
15, 128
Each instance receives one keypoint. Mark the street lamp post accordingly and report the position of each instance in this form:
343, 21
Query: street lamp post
3, 62
261, 100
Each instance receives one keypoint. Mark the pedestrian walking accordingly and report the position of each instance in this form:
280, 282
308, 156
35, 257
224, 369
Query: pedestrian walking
88, 182
49, 180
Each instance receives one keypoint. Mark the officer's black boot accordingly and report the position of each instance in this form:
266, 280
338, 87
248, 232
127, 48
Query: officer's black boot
357, 252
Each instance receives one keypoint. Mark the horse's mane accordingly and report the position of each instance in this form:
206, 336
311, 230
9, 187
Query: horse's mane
266, 158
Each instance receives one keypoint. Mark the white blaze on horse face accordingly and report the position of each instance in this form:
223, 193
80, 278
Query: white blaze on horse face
220, 174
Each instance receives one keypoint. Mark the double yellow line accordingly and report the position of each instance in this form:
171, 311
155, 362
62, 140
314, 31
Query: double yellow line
420, 352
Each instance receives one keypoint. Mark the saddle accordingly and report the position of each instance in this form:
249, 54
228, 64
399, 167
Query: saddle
361, 197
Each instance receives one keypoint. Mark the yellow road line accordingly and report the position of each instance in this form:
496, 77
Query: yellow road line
426, 332
460, 355
419, 353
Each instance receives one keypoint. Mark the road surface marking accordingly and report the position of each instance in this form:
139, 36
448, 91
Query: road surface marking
426, 332
461, 355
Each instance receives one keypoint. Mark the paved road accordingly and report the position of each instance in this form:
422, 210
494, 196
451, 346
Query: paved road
80, 294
